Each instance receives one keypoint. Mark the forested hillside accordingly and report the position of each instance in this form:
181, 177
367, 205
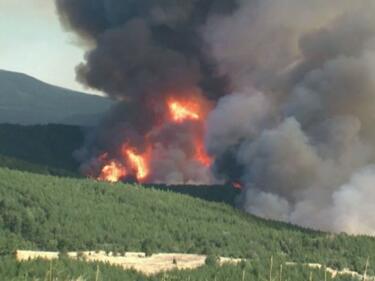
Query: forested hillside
40, 148
43, 212
50, 213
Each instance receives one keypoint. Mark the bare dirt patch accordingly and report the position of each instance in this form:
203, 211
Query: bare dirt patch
131, 260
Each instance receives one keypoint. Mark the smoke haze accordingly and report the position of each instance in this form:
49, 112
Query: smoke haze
288, 87
299, 123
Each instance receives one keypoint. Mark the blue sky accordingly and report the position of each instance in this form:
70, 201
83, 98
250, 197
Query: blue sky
32, 41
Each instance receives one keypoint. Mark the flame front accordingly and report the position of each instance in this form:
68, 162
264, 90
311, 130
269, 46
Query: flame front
132, 161
138, 163
112, 172
181, 111
201, 154
237, 185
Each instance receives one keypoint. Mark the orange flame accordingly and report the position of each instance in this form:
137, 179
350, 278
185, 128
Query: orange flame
181, 111
112, 172
237, 185
138, 163
201, 155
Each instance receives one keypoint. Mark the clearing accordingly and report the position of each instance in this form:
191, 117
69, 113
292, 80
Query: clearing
138, 261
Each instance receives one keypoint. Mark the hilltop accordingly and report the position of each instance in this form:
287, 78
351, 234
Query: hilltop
26, 100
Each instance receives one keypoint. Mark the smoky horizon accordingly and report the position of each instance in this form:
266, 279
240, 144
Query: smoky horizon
277, 97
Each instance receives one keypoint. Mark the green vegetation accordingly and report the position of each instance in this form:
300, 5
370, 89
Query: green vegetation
214, 193
51, 213
45, 205
212, 260
40, 149
68, 270
21, 165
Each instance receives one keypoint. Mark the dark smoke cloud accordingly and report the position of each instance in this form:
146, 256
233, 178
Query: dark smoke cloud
145, 47
293, 82
141, 53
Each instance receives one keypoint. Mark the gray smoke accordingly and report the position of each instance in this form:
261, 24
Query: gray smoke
144, 49
292, 83
299, 122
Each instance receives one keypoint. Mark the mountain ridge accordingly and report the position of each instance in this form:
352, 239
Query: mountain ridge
26, 100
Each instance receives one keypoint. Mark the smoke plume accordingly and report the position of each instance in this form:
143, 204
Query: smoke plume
285, 88
149, 56
299, 122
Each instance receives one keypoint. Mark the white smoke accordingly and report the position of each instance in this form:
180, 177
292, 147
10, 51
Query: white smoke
300, 119
173, 166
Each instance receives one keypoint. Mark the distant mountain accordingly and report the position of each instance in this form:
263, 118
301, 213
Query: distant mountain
26, 100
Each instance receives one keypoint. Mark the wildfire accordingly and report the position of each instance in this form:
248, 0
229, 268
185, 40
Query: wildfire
134, 163
190, 110
201, 155
112, 172
138, 163
181, 111
237, 185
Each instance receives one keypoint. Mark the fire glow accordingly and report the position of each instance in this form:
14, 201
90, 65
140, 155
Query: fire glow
138, 163
237, 185
112, 172
181, 111
135, 163
201, 154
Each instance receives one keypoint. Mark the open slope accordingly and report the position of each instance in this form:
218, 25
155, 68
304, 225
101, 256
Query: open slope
26, 100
